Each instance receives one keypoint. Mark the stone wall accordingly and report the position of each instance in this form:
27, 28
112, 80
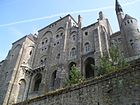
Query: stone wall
118, 88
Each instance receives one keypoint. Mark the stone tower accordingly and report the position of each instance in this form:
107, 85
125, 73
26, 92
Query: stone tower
130, 34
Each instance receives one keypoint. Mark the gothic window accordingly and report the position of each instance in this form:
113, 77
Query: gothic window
128, 21
131, 40
87, 47
37, 82
42, 43
58, 56
61, 33
131, 21
46, 40
30, 53
53, 78
74, 37
86, 33
57, 42
41, 61
57, 36
22, 86
73, 52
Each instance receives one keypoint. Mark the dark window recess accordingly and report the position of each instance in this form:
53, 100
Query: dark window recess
46, 41
54, 44
42, 43
42, 49
128, 21
57, 36
57, 42
131, 21
58, 56
125, 23
132, 44
86, 33
61, 34
41, 61
30, 52
131, 40
138, 30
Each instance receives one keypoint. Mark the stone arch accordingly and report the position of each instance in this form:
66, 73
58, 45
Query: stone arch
70, 67
73, 36
89, 70
60, 28
21, 92
53, 78
47, 34
59, 33
37, 81
45, 39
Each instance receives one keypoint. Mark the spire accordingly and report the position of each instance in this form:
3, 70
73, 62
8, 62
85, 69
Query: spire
118, 7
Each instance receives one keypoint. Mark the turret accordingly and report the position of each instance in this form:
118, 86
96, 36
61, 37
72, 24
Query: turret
130, 29
119, 13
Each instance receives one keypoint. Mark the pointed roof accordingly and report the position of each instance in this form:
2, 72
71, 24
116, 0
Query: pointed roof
118, 7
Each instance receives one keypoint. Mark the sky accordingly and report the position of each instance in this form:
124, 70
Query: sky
22, 17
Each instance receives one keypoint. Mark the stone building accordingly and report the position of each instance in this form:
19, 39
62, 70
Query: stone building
37, 64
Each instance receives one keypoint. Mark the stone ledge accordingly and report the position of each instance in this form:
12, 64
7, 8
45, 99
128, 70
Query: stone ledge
94, 81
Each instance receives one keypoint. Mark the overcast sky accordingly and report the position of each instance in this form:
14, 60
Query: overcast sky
22, 17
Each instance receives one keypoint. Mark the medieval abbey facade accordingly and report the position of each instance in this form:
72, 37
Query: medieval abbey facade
40, 63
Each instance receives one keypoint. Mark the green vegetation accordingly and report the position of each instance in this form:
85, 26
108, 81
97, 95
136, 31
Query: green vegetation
115, 61
74, 77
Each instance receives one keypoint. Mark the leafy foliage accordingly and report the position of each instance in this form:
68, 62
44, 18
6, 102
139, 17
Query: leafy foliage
75, 76
115, 61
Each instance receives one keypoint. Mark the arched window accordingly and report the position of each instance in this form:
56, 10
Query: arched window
22, 86
74, 37
37, 81
73, 52
53, 78
58, 56
87, 47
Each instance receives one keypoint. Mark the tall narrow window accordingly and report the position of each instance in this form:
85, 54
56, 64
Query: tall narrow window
53, 78
37, 81
22, 86
73, 37
73, 52
87, 47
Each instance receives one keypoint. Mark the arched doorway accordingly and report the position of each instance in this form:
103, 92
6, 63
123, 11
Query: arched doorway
70, 67
89, 70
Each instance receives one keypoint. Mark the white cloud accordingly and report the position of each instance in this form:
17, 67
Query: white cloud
16, 31
61, 14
